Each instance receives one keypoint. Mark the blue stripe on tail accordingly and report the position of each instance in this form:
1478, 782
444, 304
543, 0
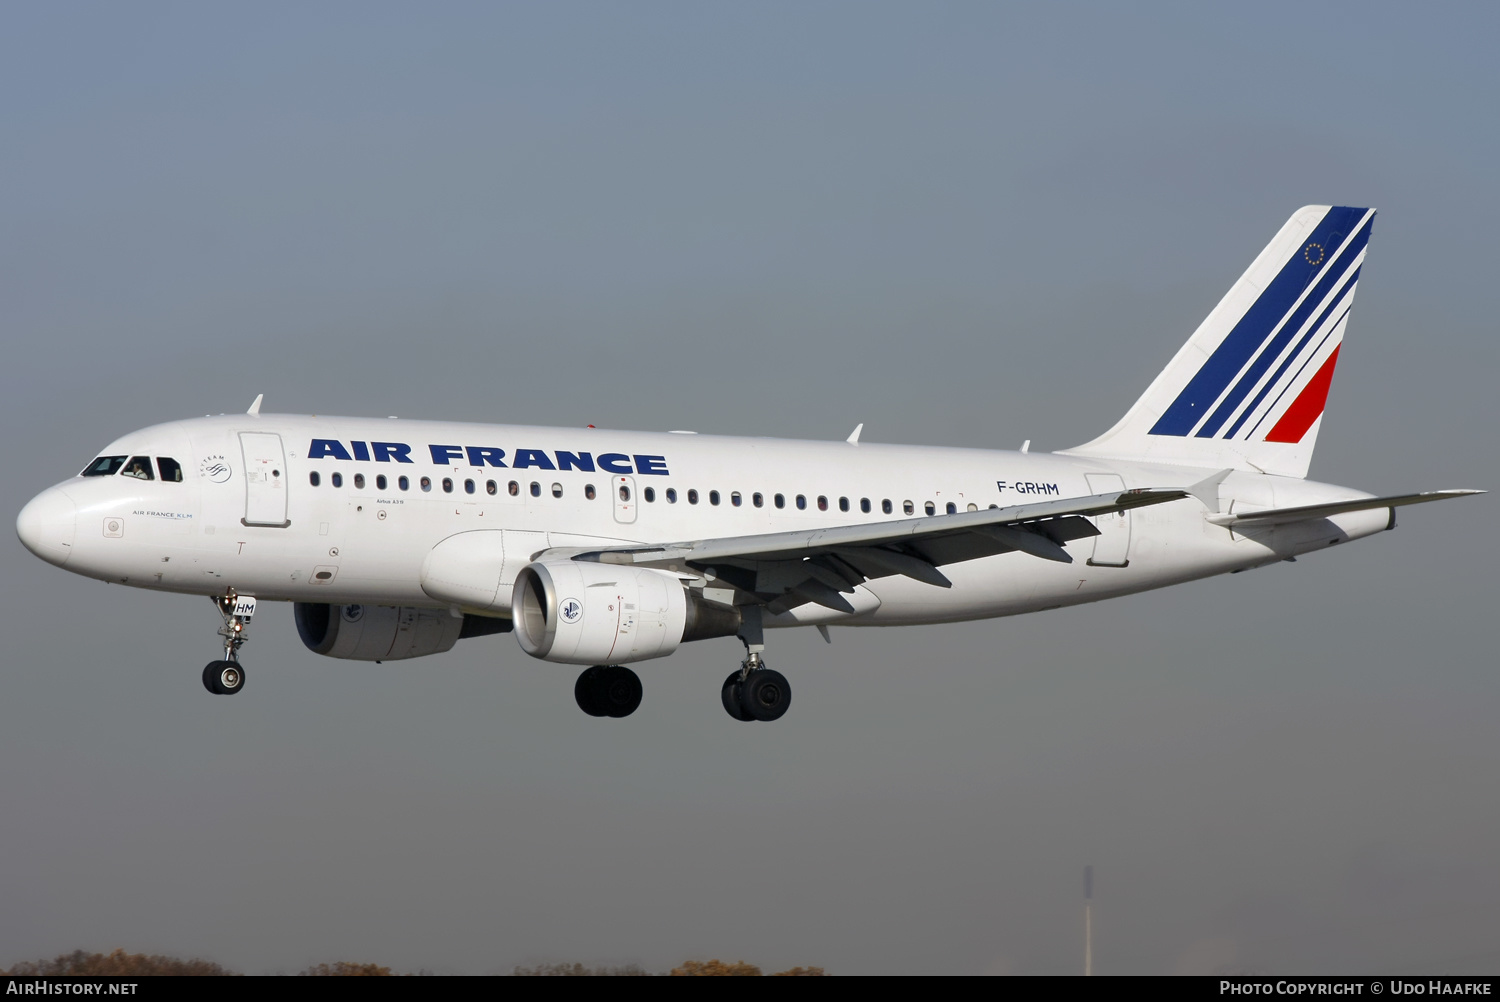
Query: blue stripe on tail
1334, 276
1255, 327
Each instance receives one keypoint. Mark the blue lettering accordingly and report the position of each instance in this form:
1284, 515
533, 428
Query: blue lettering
615, 462
575, 461
322, 448
526, 458
652, 465
441, 454
479, 456
386, 452
361, 451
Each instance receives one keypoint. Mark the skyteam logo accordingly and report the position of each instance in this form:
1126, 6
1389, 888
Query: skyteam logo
570, 610
1267, 379
215, 469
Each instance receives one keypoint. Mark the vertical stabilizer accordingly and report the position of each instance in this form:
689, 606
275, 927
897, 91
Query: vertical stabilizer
1247, 390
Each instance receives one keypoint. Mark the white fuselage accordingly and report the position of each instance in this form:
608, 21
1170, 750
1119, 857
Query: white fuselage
359, 542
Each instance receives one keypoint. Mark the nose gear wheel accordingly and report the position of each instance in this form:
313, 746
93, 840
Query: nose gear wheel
608, 691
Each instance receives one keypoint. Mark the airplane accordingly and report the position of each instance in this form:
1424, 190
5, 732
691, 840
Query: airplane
397, 538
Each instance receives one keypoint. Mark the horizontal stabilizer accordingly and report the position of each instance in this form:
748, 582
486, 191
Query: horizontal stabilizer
1279, 516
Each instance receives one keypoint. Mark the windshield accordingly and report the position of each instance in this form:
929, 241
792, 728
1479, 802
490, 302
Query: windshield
104, 466
140, 468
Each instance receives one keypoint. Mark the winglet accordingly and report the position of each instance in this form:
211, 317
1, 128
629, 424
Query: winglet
853, 438
254, 410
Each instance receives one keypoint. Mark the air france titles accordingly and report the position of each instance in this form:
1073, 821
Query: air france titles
483, 455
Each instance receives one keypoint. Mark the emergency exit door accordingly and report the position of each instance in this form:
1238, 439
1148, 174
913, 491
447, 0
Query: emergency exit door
625, 502
265, 479
1112, 545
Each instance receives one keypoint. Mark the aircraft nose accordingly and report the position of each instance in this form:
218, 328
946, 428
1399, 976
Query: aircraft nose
47, 525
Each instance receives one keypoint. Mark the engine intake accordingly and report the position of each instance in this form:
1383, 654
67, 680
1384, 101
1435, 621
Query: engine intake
585, 613
386, 633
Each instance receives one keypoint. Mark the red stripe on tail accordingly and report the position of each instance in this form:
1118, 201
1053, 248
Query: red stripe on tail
1307, 407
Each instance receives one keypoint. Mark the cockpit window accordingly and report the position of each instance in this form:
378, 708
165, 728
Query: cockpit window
104, 466
138, 467
170, 470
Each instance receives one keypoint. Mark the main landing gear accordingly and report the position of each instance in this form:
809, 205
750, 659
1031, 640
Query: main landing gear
227, 677
755, 692
608, 691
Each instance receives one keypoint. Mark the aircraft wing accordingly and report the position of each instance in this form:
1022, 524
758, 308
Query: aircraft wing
1280, 516
786, 569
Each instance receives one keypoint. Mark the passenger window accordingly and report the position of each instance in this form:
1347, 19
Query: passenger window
844, 504
713, 497
337, 480
381, 483
314, 479
557, 490
692, 495
801, 502
758, 499
671, 495
140, 468
588, 491
624, 492
779, 500
864, 505
403, 483
908, 507
469, 487
514, 489
536, 489
426, 483
447, 485
973, 507
649, 494
885, 505
170, 471
359, 481
104, 466
491, 488
952, 508
930, 508
735, 499
822, 502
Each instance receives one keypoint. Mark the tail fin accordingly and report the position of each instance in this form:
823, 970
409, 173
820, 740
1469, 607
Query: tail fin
1248, 388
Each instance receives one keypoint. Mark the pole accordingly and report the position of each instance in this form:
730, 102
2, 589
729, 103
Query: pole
1088, 921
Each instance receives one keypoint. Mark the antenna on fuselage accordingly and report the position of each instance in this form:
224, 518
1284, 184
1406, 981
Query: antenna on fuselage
254, 410
853, 438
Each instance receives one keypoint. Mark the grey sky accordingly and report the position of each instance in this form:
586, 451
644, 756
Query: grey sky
962, 224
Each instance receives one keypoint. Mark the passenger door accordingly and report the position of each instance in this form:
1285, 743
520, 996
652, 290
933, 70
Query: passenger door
1112, 545
265, 479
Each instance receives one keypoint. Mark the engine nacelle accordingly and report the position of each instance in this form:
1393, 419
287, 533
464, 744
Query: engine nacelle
385, 633
586, 613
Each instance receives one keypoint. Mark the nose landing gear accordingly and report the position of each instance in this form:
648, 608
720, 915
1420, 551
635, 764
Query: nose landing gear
608, 691
227, 677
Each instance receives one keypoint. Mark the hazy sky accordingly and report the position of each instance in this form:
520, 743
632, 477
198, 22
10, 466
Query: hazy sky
966, 224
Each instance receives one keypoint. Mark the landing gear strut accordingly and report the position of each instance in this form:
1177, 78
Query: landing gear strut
755, 692
227, 677
608, 691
